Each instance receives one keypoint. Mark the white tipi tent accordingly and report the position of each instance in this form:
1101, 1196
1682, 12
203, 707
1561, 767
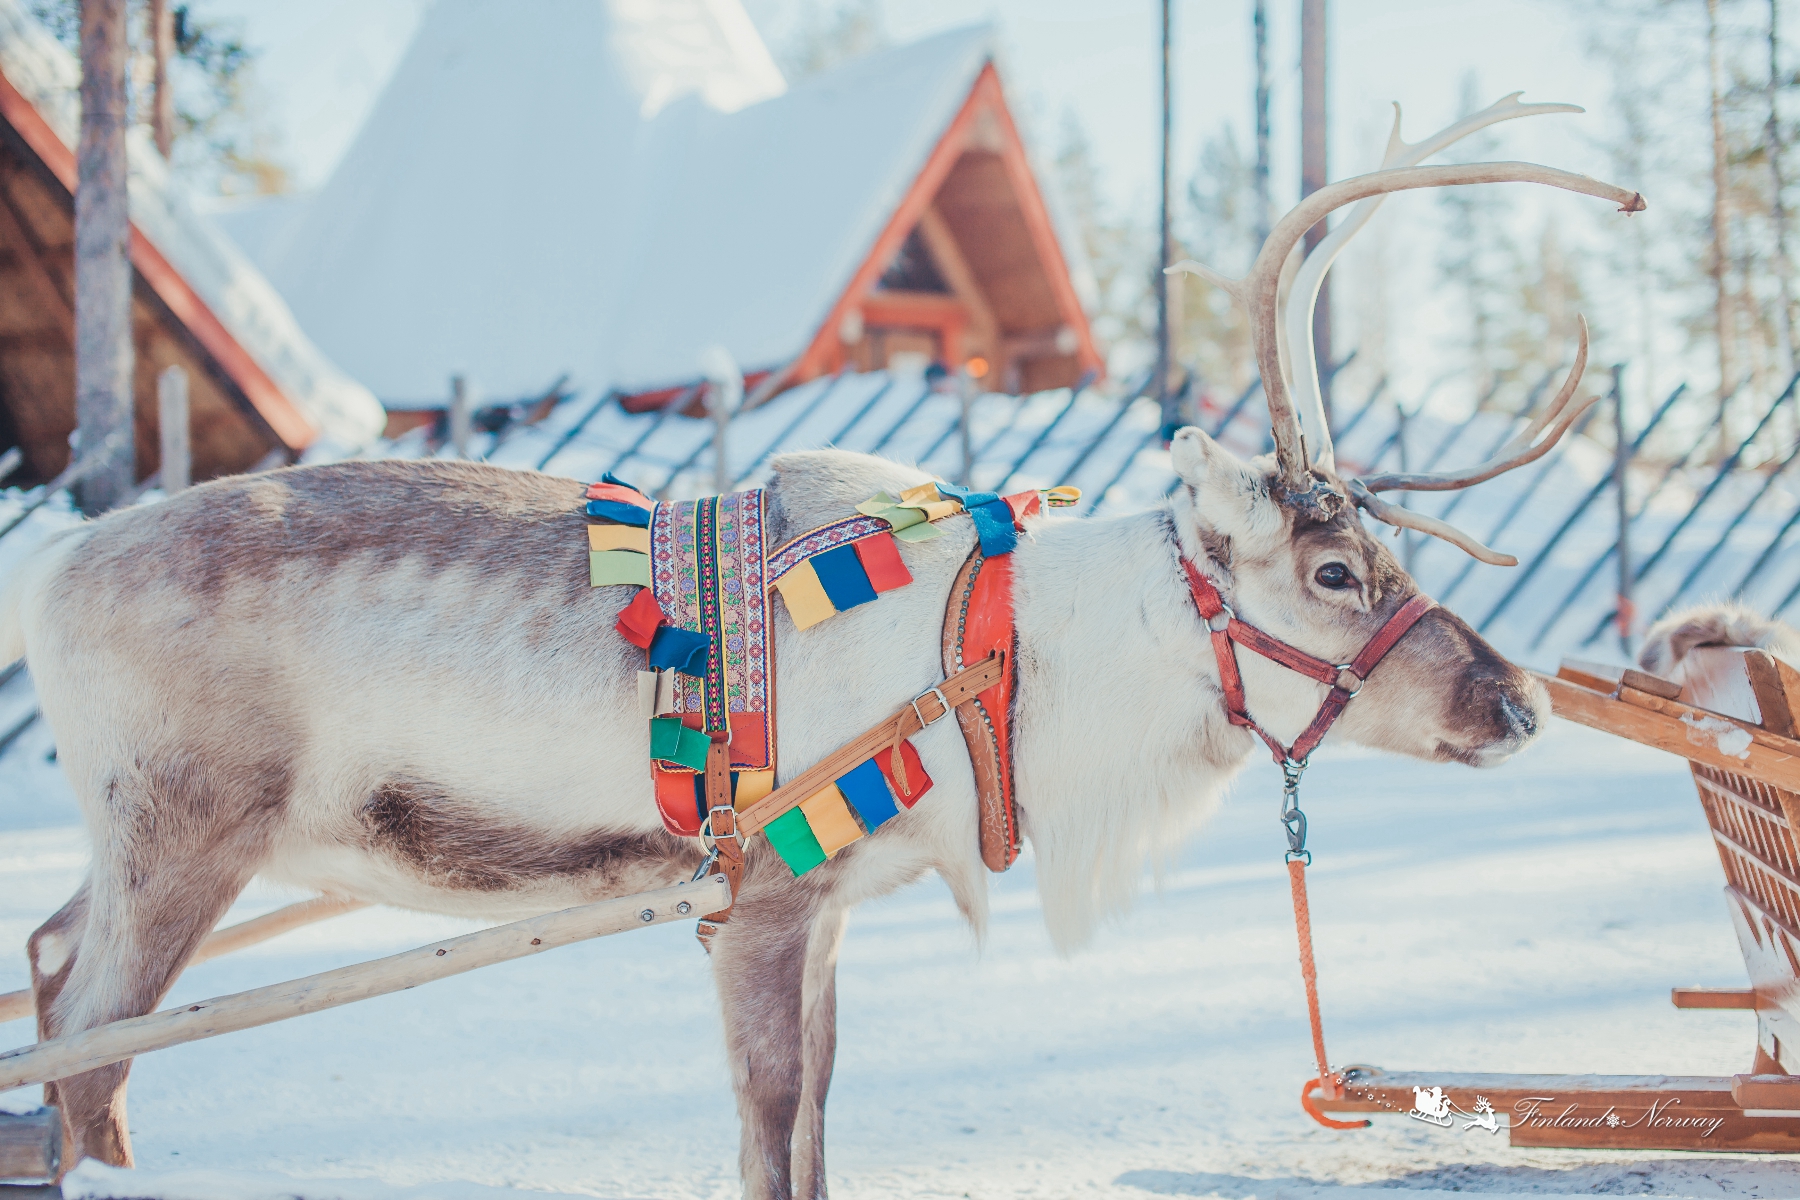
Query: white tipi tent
608, 187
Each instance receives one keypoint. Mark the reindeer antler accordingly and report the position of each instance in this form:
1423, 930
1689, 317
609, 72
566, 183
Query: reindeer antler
1258, 292
1303, 293
1519, 449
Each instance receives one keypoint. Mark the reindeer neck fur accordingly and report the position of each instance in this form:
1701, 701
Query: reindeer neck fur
1121, 742
1121, 745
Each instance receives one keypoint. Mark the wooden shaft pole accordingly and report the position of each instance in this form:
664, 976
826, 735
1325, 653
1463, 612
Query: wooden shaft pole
249, 933
220, 942
60, 1058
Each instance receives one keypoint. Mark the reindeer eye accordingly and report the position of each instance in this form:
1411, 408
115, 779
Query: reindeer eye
1335, 576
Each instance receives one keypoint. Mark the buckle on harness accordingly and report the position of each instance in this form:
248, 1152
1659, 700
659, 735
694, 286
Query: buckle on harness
708, 838
943, 701
1348, 670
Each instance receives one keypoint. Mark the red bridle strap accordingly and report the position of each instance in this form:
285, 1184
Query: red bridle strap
1346, 679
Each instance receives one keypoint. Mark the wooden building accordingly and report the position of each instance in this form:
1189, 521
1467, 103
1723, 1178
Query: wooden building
258, 391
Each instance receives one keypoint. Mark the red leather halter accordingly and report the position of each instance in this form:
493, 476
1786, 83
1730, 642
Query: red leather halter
1346, 679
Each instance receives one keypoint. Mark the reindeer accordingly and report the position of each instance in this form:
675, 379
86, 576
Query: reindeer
390, 681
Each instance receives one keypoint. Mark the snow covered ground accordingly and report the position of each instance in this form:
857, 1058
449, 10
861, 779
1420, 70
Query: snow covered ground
1529, 918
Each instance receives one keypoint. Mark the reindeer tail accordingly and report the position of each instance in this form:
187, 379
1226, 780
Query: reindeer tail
1720, 623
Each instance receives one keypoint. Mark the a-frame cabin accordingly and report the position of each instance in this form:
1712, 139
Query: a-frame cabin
607, 190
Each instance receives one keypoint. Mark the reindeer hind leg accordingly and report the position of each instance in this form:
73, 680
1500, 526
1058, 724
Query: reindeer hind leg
172, 850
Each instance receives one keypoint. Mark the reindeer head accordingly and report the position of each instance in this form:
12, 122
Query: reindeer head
1282, 534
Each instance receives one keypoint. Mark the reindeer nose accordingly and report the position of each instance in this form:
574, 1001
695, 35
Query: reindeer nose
1520, 719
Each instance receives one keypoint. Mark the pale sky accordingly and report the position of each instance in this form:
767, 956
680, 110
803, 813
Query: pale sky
324, 62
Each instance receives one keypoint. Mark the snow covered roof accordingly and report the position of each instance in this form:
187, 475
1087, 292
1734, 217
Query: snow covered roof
574, 186
200, 275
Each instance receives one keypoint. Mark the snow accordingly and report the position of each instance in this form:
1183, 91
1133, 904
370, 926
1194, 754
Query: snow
551, 188
1529, 918
238, 295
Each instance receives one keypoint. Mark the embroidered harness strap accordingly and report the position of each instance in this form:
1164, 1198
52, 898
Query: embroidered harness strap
1346, 680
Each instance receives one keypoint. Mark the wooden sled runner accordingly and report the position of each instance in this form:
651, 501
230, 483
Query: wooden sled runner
30, 1144
1732, 715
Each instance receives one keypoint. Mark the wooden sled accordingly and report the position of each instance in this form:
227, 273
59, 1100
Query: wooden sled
1732, 715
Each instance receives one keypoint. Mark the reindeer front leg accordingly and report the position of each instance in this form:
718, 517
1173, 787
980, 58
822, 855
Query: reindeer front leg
818, 1045
760, 960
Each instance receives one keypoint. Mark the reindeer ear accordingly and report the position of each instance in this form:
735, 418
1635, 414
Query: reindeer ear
1230, 495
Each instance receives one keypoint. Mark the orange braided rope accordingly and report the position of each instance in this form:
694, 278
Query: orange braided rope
1329, 1082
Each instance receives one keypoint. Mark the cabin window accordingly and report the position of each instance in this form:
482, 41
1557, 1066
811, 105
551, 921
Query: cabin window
912, 269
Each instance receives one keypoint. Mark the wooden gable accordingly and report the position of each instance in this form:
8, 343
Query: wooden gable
238, 415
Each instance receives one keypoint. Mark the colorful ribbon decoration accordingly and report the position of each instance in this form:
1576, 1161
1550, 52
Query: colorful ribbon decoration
859, 802
851, 562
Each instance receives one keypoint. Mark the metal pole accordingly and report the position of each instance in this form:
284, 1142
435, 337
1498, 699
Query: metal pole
1265, 202
966, 393
1315, 165
1165, 335
1622, 460
462, 421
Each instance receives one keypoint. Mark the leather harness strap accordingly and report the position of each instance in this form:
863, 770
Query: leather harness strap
721, 826
928, 708
728, 829
1345, 679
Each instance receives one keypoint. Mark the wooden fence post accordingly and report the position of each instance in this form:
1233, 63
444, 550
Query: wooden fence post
462, 419
103, 350
172, 421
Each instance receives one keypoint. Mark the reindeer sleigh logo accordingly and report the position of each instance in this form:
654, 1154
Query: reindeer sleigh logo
1431, 1106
